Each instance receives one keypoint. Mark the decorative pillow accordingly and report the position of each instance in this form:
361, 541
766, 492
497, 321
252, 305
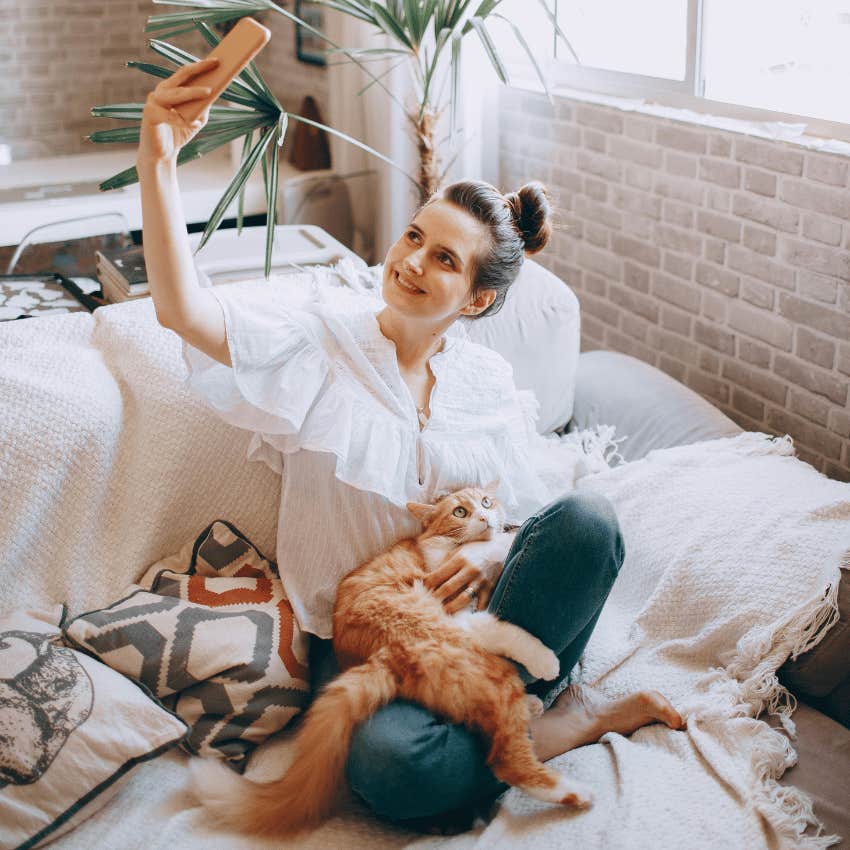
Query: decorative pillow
537, 331
70, 728
211, 633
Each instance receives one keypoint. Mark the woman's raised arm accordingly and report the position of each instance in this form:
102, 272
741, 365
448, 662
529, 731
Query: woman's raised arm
181, 305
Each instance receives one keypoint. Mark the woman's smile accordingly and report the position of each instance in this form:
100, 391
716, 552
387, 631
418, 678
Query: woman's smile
407, 286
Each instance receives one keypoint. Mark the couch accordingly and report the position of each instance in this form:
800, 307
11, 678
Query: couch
110, 394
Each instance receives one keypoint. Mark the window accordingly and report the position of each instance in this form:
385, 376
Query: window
765, 60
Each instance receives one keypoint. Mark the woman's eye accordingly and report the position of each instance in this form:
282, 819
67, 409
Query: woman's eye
445, 258
459, 511
486, 502
412, 235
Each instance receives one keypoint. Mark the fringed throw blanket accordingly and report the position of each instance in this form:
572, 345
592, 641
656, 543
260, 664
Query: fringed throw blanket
734, 551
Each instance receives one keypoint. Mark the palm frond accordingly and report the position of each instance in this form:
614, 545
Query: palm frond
528, 51
489, 48
238, 181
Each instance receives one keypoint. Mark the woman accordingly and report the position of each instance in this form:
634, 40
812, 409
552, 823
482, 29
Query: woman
372, 410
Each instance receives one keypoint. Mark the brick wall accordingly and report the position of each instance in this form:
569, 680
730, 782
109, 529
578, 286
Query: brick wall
721, 258
58, 58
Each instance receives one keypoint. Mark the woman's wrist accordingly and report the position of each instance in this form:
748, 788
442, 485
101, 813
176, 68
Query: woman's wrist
150, 164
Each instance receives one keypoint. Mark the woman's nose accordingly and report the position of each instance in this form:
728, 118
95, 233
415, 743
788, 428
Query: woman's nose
413, 263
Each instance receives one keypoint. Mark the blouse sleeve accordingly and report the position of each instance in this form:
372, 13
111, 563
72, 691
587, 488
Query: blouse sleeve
277, 342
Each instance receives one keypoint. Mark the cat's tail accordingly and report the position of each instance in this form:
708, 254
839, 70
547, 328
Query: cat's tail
303, 797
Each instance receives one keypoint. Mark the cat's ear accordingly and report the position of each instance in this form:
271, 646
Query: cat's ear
493, 486
424, 513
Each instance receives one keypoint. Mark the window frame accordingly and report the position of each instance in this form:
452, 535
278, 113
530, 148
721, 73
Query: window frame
687, 94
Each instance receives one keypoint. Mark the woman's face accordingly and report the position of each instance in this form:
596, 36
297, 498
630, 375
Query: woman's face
428, 271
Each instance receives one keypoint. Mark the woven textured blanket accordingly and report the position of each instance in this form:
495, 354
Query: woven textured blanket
734, 551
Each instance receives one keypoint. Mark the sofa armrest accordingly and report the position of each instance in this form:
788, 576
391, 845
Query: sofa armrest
651, 409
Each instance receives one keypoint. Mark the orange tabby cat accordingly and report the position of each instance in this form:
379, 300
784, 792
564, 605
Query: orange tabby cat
393, 639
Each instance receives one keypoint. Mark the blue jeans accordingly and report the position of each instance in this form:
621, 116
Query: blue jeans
409, 764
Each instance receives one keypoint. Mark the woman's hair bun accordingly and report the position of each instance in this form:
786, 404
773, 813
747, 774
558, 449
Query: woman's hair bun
530, 208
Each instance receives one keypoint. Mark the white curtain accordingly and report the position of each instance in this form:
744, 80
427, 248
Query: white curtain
384, 203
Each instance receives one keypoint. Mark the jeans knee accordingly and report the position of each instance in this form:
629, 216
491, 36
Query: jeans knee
588, 521
406, 764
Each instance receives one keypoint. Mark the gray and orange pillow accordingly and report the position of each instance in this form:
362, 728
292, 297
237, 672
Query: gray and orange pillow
210, 632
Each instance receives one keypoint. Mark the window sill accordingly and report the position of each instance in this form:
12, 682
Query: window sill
793, 133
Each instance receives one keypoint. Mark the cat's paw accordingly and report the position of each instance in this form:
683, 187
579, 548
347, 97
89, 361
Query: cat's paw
535, 705
544, 664
576, 795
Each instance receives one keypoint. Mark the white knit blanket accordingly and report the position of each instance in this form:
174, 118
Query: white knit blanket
734, 550
107, 464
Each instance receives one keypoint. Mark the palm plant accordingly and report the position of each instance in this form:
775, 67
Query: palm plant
427, 35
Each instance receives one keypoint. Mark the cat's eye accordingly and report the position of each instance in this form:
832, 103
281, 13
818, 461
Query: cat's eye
487, 502
460, 511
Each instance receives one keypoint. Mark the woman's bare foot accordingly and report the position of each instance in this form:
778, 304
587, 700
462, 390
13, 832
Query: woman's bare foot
581, 715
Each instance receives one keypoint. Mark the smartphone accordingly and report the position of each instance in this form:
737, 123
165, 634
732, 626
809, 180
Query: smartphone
234, 52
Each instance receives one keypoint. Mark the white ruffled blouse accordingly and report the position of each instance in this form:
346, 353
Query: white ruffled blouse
318, 384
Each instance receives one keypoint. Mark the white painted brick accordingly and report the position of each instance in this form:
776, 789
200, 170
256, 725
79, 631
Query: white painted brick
822, 229
715, 250
678, 189
638, 177
677, 265
602, 118
779, 216
815, 348
755, 353
676, 292
600, 213
769, 155
680, 138
761, 325
637, 152
809, 406
676, 321
641, 203
760, 182
822, 199
678, 239
819, 318
595, 189
762, 241
819, 287
601, 166
678, 214
638, 226
709, 362
594, 140
599, 261
648, 255
638, 127
680, 165
758, 294
635, 276
826, 169
756, 381
826, 261
719, 200
720, 144
717, 278
746, 261
723, 227
811, 377
719, 171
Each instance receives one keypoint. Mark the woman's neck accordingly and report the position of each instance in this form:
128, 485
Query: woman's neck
415, 343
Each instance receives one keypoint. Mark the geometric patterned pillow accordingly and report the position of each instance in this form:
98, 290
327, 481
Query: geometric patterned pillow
212, 635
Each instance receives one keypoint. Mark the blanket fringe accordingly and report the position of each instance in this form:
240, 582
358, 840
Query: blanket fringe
788, 810
598, 444
754, 687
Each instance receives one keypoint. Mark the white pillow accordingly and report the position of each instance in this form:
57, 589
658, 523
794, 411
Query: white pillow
537, 332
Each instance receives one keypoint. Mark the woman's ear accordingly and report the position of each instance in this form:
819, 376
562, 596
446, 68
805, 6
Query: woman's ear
424, 513
480, 303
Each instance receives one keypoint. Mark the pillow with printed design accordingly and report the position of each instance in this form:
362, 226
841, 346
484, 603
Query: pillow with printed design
70, 729
211, 633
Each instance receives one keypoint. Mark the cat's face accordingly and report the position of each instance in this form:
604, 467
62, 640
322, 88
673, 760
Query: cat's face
472, 513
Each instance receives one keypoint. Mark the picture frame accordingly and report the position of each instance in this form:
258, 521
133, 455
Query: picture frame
308, 47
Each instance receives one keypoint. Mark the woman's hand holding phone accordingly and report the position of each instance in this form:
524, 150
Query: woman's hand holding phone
164, 130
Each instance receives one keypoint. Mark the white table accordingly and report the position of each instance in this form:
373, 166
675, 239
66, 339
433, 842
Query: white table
64, 187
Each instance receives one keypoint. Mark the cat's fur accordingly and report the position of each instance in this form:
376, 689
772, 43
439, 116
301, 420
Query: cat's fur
393, 639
